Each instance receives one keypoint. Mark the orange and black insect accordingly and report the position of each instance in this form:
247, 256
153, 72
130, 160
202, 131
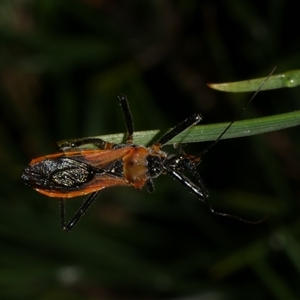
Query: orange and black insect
76, 170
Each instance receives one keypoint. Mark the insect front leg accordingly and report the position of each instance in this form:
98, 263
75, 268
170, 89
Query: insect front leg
185, 124
81, 211
199, 190
150, 185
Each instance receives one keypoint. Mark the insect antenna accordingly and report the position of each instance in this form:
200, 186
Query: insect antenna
235, 217
199, 188
205, 199
237, 115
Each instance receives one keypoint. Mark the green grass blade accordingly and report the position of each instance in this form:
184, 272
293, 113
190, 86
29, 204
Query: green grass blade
202, 133
287, 79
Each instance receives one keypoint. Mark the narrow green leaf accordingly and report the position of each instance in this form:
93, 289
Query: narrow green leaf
202, 133
287, 79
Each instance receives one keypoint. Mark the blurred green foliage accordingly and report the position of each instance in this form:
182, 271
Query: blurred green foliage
62, 65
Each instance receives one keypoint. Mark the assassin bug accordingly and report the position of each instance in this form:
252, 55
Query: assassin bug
77, 170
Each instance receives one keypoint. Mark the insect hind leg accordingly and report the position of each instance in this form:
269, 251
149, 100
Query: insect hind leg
80, 212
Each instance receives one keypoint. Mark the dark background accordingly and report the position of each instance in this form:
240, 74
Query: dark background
63, 63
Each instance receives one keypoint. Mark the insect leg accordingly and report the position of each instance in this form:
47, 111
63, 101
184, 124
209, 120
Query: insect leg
128, 118
74, 144
179, 148
187, 123
81, 211
62, 212
201, 192
150, 185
